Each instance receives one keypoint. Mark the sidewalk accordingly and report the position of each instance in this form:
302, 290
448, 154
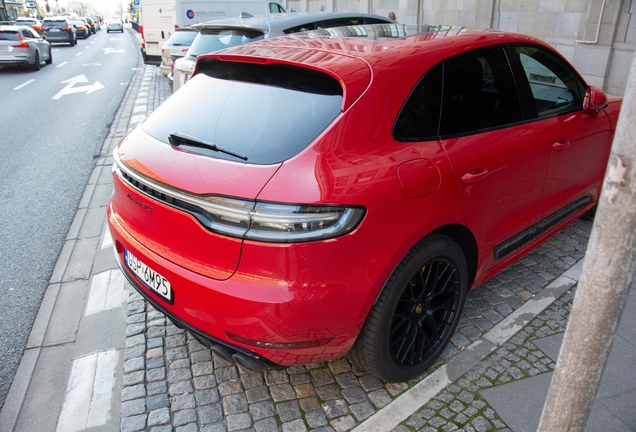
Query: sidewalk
100, 358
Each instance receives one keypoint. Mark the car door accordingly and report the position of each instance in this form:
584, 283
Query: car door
579, 142
32, 40
498, 164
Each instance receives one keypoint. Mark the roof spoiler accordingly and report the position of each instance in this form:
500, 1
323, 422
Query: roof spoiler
246, 15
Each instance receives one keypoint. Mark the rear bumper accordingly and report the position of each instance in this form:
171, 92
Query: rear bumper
23, 60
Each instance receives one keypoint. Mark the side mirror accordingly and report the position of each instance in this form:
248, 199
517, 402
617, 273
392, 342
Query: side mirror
595, 101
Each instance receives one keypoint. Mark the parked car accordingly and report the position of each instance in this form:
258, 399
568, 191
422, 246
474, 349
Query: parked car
91, 23
59, 29
23, 46
219, 34
82, 28
180, 41
34, 23
314, 195
114, 24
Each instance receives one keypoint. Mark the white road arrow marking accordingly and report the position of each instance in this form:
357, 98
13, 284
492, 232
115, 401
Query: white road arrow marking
115, 39
70, 86
111, 50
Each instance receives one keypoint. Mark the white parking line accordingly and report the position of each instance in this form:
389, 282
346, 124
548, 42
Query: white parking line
107, 292
89, 392
78, 54
61, 64
24, 85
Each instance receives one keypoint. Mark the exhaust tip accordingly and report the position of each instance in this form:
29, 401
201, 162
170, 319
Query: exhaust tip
223, 352
248, 362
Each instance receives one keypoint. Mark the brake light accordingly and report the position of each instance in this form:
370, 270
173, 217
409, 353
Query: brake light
23, 44
68, 27
37, 27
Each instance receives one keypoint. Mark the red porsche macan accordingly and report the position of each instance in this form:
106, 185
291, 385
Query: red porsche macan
337, 192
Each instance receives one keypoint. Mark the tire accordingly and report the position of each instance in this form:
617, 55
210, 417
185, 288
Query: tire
72, 42
416, 313
36, 66
589, 215
107, 31
50, 59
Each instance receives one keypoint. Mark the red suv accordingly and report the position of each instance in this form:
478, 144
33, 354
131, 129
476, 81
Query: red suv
310, 196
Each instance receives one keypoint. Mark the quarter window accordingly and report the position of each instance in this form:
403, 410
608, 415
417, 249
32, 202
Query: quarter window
479, 93
555, 87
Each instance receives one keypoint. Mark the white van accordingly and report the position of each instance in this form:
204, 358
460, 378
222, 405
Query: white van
159, 18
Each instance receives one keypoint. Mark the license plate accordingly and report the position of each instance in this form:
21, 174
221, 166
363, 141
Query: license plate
4, 48
54, 30
153, 45
149, 277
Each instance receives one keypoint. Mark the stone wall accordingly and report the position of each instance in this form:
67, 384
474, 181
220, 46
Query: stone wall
602, 53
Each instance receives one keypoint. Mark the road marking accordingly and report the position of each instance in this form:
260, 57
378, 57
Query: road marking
88, 47
70, 83
78, 54
112, 50
89, 392
24, 85
61, 64
107, 292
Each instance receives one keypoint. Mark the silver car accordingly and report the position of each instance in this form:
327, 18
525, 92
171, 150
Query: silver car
180, 41
114, 24
23, 46
219, 34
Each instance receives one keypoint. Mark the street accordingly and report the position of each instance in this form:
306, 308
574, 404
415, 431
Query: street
54, 122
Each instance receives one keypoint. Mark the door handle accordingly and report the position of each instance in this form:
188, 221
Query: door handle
474, 175
561, 145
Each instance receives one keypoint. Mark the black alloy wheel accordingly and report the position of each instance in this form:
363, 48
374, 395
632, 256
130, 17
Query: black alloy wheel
416, 313
50, 59
36, 66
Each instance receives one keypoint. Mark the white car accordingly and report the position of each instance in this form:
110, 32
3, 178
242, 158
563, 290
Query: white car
114, 24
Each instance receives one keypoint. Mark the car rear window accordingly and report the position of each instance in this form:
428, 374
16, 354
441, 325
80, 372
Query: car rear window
211, 40
8, 35
182, 38
27, 22
267, 113
55, 23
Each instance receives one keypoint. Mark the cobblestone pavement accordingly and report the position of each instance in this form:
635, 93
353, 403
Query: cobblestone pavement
172, 382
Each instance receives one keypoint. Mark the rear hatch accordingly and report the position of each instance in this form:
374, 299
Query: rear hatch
207, 152
8, 40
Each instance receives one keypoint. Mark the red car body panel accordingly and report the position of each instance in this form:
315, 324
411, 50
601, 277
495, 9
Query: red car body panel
317, 294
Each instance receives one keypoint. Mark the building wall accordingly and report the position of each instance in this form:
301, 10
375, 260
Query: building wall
571, 26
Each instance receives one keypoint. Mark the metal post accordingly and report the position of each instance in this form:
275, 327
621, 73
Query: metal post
608, 269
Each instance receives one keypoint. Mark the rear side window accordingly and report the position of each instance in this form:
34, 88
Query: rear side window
479, 93
555, 88
419, 118
212, 40
267, 113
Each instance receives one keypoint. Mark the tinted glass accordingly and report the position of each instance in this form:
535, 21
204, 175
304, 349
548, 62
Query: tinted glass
182, 38
208, 41
419, 118
479, 92
555, 87
250, 109
55, 24
8, 35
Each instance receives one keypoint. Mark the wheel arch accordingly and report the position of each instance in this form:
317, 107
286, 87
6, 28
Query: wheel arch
466, 240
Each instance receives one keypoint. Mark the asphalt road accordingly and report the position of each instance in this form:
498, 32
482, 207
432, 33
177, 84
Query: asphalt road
52, 124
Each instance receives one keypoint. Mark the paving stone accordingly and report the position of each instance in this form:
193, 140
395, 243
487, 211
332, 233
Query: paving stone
133, 378
184, 417
362, 411
347, 379
201, 356
157, 387
251, 379
238, 421
354, 395
266, 425
181, 363
159, 416
282, 392
343, 424
184, 401
294, 426
208, 396
380, 398
132, 424
309, 404
321, 377
133, 407
230, 387
205, 382
316, 419
210, 413
235, 404
177, 375
155, 362
256, 394
134, 364
157, 401
225, 374
369, 382
301, 378
191, 427
261, 410
273, 377
481, 424
335, 408
305, 390
288, 411
181, 387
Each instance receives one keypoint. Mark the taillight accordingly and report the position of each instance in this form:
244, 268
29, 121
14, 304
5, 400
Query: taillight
68, 27
23, 44
37, 27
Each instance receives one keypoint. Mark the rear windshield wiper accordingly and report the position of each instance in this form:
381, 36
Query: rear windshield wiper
176, 139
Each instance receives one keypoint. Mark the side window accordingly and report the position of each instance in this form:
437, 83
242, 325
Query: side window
275, 8
554, 86
300, 28
419, 118
479, 92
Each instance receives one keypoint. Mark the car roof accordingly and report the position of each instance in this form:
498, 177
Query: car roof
14, 27
57, 18
278, 22
355, 55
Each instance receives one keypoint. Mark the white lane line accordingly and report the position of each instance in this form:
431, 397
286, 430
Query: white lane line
99, 412
107, 292
108, 240
61, 64
78, 395
89, 392
78, 54
88, 46
24, 85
